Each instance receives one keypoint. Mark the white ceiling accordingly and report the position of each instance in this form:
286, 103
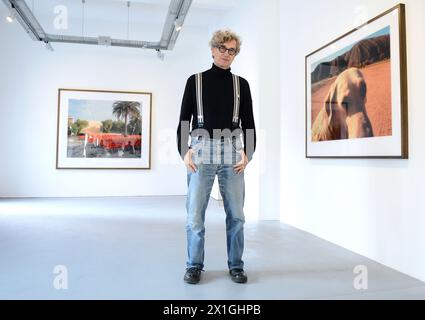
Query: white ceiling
205, 4
110, 17
150, 11
200, 4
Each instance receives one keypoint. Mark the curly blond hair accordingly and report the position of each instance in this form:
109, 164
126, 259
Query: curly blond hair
222, 36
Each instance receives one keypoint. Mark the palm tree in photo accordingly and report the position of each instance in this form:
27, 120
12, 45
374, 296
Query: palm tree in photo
135, 122
124, 109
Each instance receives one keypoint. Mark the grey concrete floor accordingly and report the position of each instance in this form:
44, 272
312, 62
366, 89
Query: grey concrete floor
134, 248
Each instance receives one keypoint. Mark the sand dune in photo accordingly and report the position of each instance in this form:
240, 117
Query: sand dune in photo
363, 53
93, 127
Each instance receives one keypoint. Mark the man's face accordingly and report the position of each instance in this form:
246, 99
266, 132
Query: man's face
224, 59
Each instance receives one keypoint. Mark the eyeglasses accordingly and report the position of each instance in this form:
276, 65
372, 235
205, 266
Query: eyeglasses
223, 49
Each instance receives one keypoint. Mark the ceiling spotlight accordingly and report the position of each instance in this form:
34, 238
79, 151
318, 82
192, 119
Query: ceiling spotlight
177, 26
48, 46
11, 16
160, 54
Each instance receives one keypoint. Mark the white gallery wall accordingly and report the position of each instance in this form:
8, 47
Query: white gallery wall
31, 76
29, 96
258, 24
373, 207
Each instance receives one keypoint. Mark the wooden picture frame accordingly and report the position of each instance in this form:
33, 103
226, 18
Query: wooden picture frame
99, 129
356, 92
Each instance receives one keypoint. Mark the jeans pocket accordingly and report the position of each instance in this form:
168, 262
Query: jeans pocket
236, 145
196, 146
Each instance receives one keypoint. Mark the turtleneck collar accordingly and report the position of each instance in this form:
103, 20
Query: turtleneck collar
219, 70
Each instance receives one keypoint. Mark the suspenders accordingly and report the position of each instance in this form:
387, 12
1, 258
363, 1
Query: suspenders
236, 99
199, 103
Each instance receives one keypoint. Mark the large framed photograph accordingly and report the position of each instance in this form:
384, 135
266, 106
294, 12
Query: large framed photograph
103, 129
356, 92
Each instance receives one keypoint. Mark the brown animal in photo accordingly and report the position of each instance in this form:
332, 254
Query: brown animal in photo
343, 115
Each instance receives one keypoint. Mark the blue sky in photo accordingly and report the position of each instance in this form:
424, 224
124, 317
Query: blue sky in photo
378, 33
92, 110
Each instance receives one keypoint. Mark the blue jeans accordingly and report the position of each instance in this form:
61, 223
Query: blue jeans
215, 157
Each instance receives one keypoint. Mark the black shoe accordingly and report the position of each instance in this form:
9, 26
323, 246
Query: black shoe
192, 275
238, 276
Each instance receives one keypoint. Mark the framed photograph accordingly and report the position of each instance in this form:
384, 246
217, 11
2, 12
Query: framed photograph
356, 92
103, 129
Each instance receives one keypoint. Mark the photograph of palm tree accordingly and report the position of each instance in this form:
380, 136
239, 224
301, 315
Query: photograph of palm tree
104, 129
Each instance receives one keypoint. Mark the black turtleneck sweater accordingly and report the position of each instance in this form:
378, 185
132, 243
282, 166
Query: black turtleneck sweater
218, 102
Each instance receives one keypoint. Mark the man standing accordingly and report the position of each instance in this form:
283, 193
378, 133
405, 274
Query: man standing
219, 105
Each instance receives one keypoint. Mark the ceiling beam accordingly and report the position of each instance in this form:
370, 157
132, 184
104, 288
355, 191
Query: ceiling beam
176, 15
